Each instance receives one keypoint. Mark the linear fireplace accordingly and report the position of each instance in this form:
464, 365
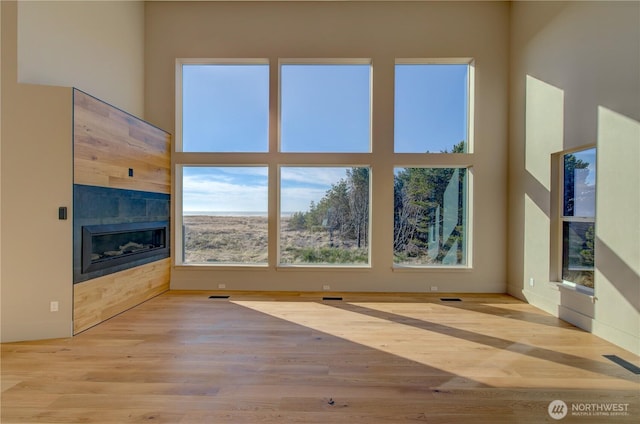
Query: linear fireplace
105, 246
117, 229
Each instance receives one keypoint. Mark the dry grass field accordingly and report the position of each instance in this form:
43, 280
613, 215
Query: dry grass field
243, 239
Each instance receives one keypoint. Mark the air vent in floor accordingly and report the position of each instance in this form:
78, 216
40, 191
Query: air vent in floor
624, 364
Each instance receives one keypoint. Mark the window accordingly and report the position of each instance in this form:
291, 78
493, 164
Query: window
578, 217
301, 196
324, 215
325, 107
431, 108
430, 216
225, 107
224, 215
431, 115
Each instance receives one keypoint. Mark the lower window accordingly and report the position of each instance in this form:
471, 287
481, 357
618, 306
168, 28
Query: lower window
577, 252
324, 218
430, 216
224, 215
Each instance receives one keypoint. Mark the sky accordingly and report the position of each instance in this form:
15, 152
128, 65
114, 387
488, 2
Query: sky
323, 108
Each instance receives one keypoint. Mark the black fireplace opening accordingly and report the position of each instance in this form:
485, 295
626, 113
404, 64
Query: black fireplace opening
110, 245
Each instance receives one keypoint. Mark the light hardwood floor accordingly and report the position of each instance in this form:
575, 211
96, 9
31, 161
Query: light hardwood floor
293, 358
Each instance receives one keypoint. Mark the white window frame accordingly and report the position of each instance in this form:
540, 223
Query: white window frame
273, 159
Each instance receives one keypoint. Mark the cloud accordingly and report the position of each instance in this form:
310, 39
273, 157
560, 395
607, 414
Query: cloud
223, 193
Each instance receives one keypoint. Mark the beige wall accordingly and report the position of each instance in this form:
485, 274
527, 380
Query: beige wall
382, 31
96, 46
575, 83
65, 43
36, 180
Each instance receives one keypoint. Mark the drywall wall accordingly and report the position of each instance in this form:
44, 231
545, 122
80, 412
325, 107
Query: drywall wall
382, 31
574, 83
96, 46
36, 180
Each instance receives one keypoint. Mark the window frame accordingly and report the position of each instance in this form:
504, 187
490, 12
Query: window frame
470, 86
558, 234
379, 159
325, 61
180, 62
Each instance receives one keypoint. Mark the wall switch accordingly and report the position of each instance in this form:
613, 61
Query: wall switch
434, 288
326, 287
53, 306
222, 286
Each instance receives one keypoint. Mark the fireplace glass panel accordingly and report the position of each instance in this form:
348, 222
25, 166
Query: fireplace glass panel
109, 245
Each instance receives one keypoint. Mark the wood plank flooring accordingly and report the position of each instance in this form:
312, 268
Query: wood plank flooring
184, 358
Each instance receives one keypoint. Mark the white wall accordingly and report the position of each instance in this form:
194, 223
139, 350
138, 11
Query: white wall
96, 46
382, 31
575, 83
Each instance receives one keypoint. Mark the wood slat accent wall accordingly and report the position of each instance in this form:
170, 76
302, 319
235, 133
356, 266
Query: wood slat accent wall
108, 142
102, 298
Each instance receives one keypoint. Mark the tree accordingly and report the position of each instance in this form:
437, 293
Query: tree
359, 203
571, 164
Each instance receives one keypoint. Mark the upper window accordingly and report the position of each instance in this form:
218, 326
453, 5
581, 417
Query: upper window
325, 108
225, 107
579, 217
431, 108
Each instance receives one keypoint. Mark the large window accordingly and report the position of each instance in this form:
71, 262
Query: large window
305, 194
225, 107
430, 203
578, 217
431, 108
324, 215
224, 215
325, 107
430, 216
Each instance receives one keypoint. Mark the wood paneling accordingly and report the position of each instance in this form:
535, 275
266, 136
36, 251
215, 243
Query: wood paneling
108, 142
102, 298
182, 357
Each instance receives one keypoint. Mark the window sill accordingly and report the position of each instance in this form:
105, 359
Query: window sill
221, 267
431, 268
577, 289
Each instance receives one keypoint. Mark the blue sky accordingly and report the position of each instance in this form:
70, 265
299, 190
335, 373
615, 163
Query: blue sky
324, 108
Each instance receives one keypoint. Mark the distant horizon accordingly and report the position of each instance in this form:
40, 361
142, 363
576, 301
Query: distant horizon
235, 213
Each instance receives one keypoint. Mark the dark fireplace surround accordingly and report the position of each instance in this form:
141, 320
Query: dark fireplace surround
117, 229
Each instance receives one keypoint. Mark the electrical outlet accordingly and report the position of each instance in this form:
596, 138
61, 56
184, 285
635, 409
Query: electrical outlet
326, 287
54, 306
222, 286
434, 288
531, 281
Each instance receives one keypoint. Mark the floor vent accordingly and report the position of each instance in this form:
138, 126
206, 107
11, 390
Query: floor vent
219, 297
451, 299
331, 298
624, 364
